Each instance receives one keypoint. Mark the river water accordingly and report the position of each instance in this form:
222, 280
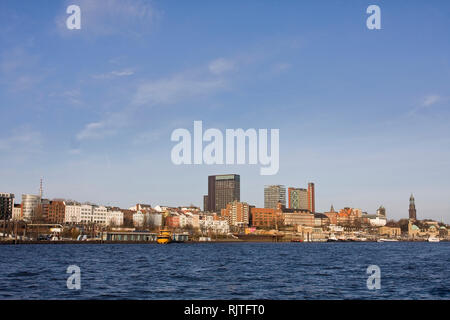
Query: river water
409, 270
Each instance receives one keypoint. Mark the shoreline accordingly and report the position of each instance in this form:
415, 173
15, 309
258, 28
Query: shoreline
64, 242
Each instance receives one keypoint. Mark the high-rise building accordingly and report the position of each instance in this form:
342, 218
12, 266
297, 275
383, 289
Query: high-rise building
298, 198
223, 189
412, 208
237, 213
30, 204
311, 198
205, 203
6, 205
274, 194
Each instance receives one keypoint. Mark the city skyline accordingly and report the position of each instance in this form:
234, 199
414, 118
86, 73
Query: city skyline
411, 212
362, 113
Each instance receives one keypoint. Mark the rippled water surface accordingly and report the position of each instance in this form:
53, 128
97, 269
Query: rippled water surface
226, 271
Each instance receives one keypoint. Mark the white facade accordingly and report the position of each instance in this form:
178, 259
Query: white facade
17, 213
377, 222
207, 223
72, 214
86, 213
114, 218
151, 219
138, 219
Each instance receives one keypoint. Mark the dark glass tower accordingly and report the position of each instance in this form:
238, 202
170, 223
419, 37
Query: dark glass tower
412, 208
222, 189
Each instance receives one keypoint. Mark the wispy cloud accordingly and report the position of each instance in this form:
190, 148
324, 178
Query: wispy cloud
221, 65
426, 102
431, 100
114, 74
174, 89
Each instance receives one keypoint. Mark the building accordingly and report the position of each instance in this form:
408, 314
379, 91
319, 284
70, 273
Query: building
56, 211
265, 217
6, 206
274, 194
30, 203
299, 219
141, 207
297, 198
412, 208
311, 198
223, 189
214, 224
390, 232
72, 213
114, 218
237, 213
332, 215
205, 203
17, 212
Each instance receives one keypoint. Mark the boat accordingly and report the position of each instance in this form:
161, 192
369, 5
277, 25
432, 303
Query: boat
433, 239
296, 240
164, 236
387, 240
332, 238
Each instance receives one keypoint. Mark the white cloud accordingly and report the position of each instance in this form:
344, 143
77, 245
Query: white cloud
430, 100
220, 66
114, 74
171, 90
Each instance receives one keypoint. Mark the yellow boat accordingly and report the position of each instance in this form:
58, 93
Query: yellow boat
164, 236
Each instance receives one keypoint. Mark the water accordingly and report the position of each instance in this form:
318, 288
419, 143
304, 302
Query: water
226, 271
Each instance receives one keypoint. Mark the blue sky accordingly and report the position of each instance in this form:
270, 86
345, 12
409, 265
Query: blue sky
362, 113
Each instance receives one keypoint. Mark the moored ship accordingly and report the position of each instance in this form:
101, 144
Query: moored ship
164, 236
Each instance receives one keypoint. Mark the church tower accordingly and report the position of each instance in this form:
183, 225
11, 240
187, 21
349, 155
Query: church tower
412, 208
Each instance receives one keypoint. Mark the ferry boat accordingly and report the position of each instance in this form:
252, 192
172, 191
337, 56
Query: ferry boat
433, 239
164, 236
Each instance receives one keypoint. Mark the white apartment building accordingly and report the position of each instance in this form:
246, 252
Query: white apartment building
114, 218
87, 213
207, 223
150, 219
72, 214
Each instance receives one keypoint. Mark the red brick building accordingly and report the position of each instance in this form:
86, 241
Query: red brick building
56, 211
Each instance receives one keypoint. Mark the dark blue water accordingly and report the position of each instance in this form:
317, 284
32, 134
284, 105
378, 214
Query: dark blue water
227, 271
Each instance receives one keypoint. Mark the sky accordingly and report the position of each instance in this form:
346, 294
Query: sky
362, 113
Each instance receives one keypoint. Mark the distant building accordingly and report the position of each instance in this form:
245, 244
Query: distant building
140, 207
17, 212
332, 215
30, 203
297, 198
412, 208
56, 211
237, 213
265, 217
311, 198
6, 206
72, 213
205, 203
222, 189
274, 194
